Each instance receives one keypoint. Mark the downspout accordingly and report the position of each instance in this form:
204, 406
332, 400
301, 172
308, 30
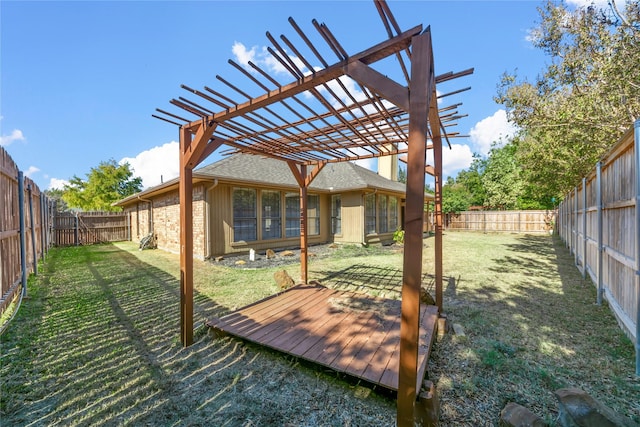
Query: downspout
637, 281
207, 218
150, 213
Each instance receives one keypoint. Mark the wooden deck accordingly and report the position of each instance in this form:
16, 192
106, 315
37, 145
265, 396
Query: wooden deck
345, 331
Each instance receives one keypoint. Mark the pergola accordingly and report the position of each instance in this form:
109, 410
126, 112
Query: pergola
341, 110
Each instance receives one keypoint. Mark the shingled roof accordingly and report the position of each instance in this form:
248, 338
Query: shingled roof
262, 170
256, 170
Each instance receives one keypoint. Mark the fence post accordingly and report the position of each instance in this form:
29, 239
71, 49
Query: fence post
574, 245
23, 236
33, 232
42, 224
636, 150
584, 228
519, 221
484, 222
600, 225
75, 229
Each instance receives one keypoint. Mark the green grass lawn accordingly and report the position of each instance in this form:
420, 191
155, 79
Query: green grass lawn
97, 341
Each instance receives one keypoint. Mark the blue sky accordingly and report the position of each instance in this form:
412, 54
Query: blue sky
80, 80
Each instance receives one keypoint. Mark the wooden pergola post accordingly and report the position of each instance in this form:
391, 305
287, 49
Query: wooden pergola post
421, 86
196, 143
437, 203
186, 240
304, 181
304, 269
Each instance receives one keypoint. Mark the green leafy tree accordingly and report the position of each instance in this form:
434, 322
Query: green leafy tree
105, 184
471, 179
502, 179
55, 194
455, 196
402, 175
588, 96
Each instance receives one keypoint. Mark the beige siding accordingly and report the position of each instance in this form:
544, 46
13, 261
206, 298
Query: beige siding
214, 236
352, 218
220, 219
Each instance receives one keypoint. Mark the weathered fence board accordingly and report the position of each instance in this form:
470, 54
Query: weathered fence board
533, 222
85, 228
23, 228
598, 221
29, 225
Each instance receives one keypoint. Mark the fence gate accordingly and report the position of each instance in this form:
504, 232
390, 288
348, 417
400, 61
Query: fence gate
86, 228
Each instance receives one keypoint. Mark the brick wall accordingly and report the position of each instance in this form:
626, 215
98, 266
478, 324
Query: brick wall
166, 221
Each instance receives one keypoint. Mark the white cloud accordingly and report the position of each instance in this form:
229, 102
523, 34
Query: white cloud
242, 54
55, 183
31, 171
492, 129
453, 160
262, 58
156, 165
16, 135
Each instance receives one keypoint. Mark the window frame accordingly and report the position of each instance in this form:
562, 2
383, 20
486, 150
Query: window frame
275, 230
247, 219
336, 214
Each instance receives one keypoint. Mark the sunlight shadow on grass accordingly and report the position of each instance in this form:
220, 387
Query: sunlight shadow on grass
102, 347
383, 282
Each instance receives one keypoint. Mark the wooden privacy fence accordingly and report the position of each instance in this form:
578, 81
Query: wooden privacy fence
25, 223
535, 222
29, 225
599, 221
86, 228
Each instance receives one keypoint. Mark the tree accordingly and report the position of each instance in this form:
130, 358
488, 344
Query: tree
501, 179
105, 184
583, 102
56, 194
455, 196
471, 179
402, 175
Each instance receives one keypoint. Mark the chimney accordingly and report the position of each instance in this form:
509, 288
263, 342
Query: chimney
388, 165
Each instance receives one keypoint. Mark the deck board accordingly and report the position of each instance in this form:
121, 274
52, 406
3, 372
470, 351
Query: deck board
345, 331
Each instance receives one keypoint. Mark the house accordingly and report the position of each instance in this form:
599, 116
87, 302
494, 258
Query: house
245, 202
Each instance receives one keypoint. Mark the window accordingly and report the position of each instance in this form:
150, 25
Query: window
370, 213
271, 215
382, 211
393, 213
313, 214
292, 214
244, 215
336, 214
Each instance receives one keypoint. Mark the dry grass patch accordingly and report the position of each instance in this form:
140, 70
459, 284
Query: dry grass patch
531, 327
97, 341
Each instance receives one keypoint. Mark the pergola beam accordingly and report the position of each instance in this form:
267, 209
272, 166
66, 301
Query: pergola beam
378, 82
376, 53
